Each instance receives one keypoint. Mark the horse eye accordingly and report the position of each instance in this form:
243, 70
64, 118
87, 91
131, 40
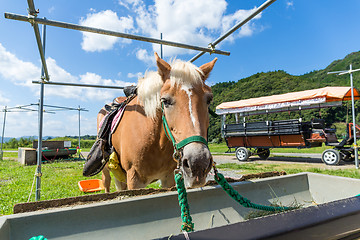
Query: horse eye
166, 101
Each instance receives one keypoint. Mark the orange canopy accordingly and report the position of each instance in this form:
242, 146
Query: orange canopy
308, 97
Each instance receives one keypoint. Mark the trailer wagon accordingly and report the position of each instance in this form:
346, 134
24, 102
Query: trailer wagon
258, 137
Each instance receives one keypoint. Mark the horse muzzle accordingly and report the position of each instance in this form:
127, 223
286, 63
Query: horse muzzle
196, 162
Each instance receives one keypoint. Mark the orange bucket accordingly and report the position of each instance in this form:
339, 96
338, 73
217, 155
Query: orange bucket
91, 185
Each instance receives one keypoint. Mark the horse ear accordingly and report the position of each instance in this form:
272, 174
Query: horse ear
163, 67
207, 67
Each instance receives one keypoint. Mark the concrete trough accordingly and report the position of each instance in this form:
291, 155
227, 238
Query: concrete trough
330, 209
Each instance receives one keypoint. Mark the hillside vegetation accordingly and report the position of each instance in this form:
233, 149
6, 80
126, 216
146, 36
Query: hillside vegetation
279, 82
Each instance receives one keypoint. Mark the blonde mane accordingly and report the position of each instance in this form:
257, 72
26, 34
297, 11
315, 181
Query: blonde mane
182, 73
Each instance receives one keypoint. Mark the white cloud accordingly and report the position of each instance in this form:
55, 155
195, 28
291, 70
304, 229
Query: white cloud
198, 25
290, 4
58, 74
108, 20
23, 73
128, 3
17, 71
101, 94
51, 9
135, 75
21, 124
179, 23
232, 19
185, 21
93, 78
3, 100
145, 56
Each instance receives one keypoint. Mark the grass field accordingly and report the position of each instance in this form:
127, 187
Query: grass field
59, 180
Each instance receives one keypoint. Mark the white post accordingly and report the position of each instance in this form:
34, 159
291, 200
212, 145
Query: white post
350, 71
353, 116
40, 113
79, 109
3, 132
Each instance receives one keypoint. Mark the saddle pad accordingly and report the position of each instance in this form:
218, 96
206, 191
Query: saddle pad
117, 118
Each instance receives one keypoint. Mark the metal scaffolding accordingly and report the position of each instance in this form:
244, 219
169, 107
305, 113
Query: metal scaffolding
27, 108
22, 108
77, 84
33, 19
54, 109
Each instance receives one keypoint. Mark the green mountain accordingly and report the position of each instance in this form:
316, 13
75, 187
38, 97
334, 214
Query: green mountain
279, 82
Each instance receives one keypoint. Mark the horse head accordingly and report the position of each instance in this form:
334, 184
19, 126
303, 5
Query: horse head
185, 100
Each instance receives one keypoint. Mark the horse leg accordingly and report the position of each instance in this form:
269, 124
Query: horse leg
133, 180
106, 179
168, 181
120, 185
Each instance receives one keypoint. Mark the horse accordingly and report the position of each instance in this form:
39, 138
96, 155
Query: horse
171, 108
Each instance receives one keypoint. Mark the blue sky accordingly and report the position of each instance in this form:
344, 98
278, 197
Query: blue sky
295, 36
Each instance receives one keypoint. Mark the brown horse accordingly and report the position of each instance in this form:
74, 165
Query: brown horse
179, 93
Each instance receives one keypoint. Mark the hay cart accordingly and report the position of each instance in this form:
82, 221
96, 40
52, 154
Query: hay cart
258, 137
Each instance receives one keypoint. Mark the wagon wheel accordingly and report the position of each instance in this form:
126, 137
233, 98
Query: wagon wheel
263, 153
331, 157
242, 154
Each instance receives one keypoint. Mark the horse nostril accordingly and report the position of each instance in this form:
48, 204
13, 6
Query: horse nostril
186, 163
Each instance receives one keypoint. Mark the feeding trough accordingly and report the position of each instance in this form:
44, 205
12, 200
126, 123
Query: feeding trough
330, 209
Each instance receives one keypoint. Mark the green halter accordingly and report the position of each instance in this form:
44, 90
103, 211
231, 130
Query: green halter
183, 143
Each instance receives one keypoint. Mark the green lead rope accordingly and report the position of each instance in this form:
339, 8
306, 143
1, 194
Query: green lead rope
220, 179
187, 224
41, 237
